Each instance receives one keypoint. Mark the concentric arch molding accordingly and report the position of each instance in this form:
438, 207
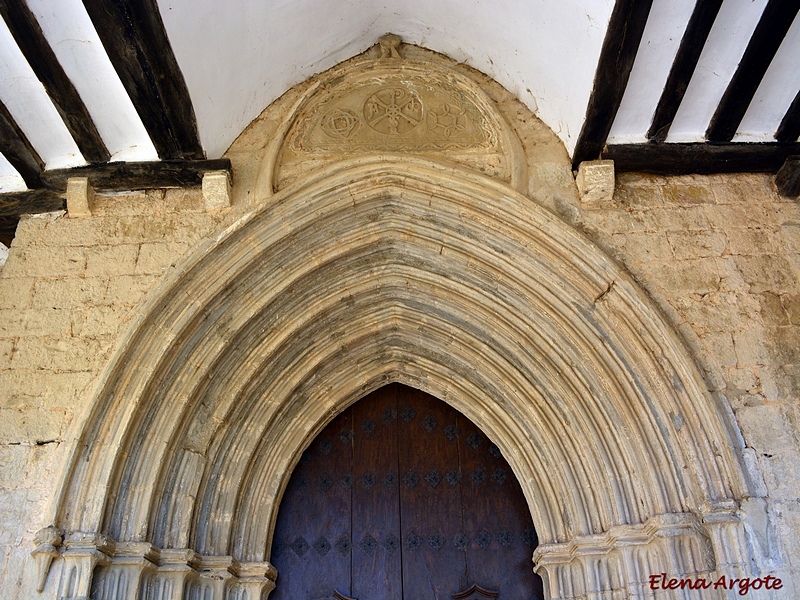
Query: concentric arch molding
394, 270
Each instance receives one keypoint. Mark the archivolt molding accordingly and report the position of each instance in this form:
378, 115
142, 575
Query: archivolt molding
407, 270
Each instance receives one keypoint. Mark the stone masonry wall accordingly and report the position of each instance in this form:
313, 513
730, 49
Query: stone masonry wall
69, 287
719, 254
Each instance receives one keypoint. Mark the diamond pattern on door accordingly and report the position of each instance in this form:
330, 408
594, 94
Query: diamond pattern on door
404, 498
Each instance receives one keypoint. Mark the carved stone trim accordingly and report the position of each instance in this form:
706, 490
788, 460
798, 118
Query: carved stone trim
403, 106
47, 541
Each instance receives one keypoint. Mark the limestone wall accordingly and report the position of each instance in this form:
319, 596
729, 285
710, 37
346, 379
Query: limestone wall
721, 257
69, 287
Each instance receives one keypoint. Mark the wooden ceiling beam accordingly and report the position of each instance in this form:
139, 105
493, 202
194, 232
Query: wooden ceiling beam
40, 56
700, 158
621, 43
789, 129
767, 37
134, 37
14, 145
787, 180
124, 176
16, 204
683, 67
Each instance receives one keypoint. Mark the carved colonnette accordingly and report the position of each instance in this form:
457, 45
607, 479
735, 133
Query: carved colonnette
97, 568
638, 561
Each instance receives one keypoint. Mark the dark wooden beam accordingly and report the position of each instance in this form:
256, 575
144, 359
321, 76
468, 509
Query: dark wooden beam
16, 204
134, 37
18, 150
40, 56
787, 179
789, 129
700, 158
767, 37
122, 176
691, 46
8, 229
621, 43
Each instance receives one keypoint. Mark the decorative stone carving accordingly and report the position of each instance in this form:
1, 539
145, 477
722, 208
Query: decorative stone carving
403, 106
620, 562
83, 552
47, 541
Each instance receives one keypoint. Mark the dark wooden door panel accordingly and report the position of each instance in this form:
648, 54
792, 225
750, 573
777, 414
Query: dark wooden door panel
402, 497
377, 558
431, 508
312, 543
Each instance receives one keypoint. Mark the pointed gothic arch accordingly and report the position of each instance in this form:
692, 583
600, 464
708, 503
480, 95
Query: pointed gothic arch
414, 270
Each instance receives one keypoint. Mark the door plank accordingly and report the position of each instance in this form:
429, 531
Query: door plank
430, 498
376, 507
312, 545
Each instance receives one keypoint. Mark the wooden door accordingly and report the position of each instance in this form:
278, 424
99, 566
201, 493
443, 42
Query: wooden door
402, 497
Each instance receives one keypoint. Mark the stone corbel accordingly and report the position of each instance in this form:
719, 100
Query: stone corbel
83, 552
176, 569
48, 541
217, 573
255, 579
122, 579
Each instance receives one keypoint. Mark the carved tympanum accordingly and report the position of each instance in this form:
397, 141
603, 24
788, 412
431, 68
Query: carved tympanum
403, 105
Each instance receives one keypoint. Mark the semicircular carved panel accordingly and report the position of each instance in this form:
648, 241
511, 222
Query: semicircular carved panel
399, 106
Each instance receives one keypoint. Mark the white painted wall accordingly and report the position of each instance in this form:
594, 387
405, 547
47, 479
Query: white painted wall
660, 41
70, 33
240, 58
31, 107
726, 44
775, 94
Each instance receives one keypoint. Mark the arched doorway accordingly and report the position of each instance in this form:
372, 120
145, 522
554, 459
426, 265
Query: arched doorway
401, 496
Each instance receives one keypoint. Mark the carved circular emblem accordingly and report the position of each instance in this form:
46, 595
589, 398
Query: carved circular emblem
447, 119
340, 123
393, 111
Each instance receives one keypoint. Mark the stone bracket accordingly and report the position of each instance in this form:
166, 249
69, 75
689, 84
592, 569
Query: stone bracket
595, 181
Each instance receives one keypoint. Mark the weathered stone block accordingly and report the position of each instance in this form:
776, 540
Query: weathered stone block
80, 197
679, 218
595, 182
45, 388
34, 322
16, 292
649, 246
768, 273
698, 276
61, 354
34, 261
216, 190
689, 192
69, 292
750, 241
697, 244
111, 261
29, 425
127, 290
98, 321
154, 259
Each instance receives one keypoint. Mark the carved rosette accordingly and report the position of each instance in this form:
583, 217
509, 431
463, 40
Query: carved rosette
398, 106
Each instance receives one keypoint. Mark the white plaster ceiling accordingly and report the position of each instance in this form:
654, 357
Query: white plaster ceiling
238, 56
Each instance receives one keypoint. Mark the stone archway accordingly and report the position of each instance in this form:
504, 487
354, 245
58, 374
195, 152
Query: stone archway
418, 270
